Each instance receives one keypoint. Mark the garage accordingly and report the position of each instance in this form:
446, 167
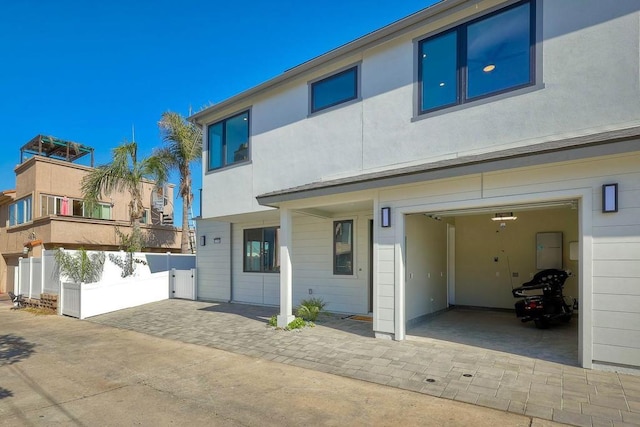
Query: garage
461, 268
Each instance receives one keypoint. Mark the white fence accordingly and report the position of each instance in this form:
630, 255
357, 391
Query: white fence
156, 277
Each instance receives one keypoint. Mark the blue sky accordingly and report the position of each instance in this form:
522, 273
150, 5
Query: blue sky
88, 71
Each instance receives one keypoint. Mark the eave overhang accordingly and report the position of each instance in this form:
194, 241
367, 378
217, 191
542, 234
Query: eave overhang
579, 147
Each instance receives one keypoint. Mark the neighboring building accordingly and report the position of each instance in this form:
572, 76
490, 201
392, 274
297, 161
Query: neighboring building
437, 123
46, 211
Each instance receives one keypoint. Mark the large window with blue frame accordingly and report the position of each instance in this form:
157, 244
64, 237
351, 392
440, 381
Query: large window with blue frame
228, 141
484, 57
333, 90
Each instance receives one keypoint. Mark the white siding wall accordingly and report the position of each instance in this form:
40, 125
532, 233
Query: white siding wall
312, 258
251, 288
426, 275
313, 264
213, 261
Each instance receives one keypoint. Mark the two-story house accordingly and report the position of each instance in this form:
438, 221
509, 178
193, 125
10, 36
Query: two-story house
46, 209
385, 175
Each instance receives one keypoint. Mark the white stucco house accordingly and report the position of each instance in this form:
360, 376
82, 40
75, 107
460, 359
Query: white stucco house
369, 176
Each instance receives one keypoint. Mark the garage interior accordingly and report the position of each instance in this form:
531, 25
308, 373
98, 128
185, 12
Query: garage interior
461, 267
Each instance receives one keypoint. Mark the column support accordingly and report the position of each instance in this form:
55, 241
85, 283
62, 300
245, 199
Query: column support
286, 288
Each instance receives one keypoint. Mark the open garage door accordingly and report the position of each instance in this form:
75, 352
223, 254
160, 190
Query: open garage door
461, 268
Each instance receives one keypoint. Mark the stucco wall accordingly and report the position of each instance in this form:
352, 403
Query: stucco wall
575, 95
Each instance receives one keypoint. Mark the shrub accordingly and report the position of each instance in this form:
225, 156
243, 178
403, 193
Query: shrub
273, 320
309, 309
297, 323
80, 266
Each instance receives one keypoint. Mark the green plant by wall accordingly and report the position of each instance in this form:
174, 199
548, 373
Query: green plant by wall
273, 320
130, 243
80, 266
297, 323
309, 309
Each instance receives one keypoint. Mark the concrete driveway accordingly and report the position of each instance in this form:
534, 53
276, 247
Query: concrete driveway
58, 371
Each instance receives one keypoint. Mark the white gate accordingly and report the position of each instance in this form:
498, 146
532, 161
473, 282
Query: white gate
71, 299
183, 284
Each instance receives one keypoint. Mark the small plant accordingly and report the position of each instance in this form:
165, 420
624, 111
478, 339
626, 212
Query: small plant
80, 266
130, 243
273, 320
309, 309
297, 323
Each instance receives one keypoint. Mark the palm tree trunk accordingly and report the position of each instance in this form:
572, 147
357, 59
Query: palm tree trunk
184, 239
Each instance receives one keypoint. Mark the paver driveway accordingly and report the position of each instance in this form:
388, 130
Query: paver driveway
346, 347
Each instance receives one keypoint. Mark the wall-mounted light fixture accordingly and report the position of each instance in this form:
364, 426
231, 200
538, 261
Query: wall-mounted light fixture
203, 240
25, 250
385, 217
504, 216
217, 240
610, 198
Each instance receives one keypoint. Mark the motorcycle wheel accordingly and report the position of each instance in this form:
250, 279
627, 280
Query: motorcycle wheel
541, 323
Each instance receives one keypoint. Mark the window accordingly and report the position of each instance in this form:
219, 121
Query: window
20, 211
334, 90
262, 250
56, 205
145, 218
229, 141
487, 56
343, 247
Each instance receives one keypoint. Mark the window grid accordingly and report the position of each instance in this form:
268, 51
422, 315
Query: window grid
462, 48
261, 250
228, 141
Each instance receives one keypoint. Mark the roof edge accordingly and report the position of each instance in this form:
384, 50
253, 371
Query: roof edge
373, 37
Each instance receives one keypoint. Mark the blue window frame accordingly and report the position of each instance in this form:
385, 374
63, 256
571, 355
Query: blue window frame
228, 141
484, 57
333, 90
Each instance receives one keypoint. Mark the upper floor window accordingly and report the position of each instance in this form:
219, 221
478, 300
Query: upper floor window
334, 90
487, 56
56, 205
343, 247
20, 211
262, 250
229, 141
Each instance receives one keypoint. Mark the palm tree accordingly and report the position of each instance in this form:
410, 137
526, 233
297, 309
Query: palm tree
183, 147
125, 173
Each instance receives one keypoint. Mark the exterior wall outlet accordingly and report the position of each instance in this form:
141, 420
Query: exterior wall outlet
310, 291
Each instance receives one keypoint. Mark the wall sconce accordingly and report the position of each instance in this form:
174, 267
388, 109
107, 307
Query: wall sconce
610, 198
25, 250
385, 217
504, 216
203, 240
217, 240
